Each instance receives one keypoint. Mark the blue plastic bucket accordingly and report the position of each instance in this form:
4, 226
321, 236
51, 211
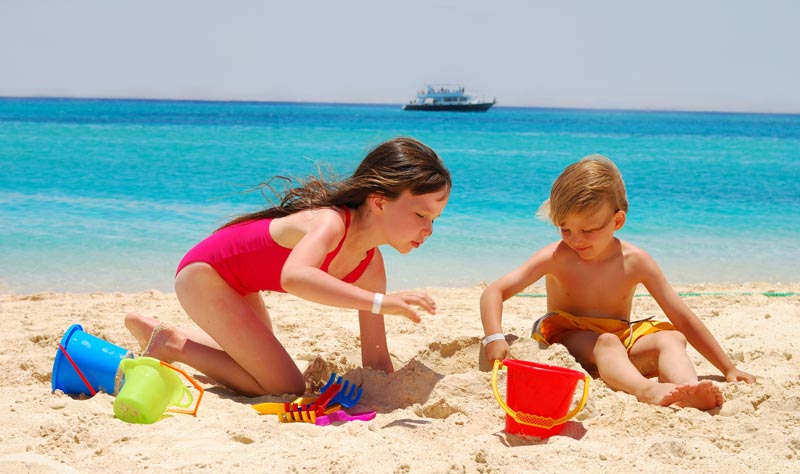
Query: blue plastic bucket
85, 364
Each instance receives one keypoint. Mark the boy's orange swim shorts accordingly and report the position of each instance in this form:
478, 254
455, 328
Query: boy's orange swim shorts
548, 327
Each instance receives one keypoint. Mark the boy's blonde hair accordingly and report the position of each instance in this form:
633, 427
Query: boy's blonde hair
583, 187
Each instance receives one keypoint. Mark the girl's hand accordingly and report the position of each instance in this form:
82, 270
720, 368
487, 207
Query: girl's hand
402, 304
736, 375
497, 350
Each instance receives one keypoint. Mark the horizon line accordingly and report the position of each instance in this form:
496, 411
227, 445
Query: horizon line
382, 104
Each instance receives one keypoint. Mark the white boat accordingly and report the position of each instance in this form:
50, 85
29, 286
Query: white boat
446, 97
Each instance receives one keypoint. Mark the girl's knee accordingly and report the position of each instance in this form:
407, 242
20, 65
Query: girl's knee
290, 383
298, 387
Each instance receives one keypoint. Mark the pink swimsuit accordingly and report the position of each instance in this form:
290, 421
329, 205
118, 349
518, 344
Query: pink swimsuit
247, 258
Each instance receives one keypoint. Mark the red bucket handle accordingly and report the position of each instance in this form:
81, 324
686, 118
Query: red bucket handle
75, 366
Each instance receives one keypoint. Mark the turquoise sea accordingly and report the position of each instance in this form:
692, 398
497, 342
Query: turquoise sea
107, 195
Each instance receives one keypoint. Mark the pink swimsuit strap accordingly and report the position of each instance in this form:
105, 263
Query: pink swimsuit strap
362, 266
329, 258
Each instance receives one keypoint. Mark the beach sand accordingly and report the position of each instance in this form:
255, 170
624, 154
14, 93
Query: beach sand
435, 414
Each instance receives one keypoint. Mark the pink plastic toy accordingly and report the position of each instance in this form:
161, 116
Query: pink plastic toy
341, 415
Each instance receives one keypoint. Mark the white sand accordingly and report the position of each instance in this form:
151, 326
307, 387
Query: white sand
436, 413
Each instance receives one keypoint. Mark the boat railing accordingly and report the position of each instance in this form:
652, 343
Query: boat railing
443, 90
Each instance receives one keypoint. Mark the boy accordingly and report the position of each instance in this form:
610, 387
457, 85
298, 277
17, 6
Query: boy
591, 277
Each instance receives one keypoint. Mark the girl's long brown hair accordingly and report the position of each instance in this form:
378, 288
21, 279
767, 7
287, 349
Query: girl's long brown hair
389, 169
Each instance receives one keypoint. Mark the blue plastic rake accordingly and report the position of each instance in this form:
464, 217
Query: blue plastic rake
349, 394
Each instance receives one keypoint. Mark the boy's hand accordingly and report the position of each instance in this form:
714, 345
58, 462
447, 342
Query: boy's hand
736, 375
497, 350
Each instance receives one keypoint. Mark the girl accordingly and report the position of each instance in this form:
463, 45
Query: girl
320, 243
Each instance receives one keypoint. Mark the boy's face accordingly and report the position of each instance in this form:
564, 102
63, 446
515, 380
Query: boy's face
589, 234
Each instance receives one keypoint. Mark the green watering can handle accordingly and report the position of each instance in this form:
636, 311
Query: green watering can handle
536, 420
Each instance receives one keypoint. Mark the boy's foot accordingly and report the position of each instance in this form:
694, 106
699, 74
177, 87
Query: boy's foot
703, 395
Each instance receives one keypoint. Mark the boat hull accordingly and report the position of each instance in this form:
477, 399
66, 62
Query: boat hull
479, 107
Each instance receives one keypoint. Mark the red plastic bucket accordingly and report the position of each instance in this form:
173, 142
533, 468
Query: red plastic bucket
538, 397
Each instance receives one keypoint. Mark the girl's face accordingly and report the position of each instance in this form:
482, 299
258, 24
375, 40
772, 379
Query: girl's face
408, 220
589, 234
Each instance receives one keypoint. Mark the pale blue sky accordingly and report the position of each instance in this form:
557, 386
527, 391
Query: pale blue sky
728, 55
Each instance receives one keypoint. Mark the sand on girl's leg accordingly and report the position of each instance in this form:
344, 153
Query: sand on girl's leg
141, 327
157, 344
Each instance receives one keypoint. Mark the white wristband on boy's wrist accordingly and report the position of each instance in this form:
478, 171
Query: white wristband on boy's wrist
493, 337
377, 302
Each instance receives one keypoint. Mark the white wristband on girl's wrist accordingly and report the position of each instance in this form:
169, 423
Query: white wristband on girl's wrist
377, 302
492, 338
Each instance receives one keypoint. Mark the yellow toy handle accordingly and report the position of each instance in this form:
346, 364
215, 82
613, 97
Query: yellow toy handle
536, 420
196, 385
